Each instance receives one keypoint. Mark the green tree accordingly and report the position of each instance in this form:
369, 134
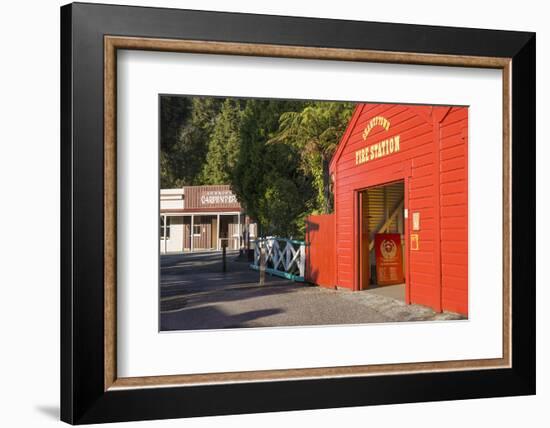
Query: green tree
185, 137
175, 111
286, 193
224, 145
267, 178
316, 131
274, 153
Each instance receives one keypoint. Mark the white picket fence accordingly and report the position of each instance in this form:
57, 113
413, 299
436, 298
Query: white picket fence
283, 257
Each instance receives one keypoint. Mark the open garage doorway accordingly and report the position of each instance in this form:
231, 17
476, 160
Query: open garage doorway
382, 255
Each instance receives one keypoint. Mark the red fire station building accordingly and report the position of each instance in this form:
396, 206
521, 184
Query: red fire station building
400, 184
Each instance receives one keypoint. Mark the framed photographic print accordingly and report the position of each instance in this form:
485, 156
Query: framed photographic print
265, 213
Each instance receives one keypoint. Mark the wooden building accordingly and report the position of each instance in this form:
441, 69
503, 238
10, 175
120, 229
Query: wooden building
195, 218
400, 184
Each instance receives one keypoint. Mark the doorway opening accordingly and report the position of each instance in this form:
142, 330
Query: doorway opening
382, 255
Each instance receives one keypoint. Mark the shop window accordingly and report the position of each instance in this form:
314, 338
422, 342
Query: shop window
196, 229
164, 226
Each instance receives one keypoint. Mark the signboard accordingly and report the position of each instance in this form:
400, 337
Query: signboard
415, 246
218, 197
210, 197
383, 148
416, 221
389, 258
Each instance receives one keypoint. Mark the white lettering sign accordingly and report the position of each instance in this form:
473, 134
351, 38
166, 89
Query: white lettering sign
217, 197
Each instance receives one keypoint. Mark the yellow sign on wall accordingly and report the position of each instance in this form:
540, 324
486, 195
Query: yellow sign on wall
415, 244
377, 150
376, 121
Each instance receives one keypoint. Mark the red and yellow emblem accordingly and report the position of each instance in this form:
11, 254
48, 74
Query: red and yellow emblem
389, 258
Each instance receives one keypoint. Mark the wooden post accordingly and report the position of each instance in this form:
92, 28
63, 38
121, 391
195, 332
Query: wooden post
164, 233
262, 264
239, 247
364, 253
302, 260
192, 233
247, 234
218, 233
224, 266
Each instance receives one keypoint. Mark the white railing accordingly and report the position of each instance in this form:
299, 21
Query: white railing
283, 257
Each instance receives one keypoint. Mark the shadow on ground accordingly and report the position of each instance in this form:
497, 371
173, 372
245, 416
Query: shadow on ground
195, 294
194, 318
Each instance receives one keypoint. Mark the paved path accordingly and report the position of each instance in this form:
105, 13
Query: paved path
195, 294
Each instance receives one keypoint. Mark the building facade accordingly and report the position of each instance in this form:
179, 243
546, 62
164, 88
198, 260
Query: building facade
200, 218
400, 184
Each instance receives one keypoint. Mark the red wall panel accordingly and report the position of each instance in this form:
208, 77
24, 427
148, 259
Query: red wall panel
454, 212
320, 261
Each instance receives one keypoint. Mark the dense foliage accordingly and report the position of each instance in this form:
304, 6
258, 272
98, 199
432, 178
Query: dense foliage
274, 153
